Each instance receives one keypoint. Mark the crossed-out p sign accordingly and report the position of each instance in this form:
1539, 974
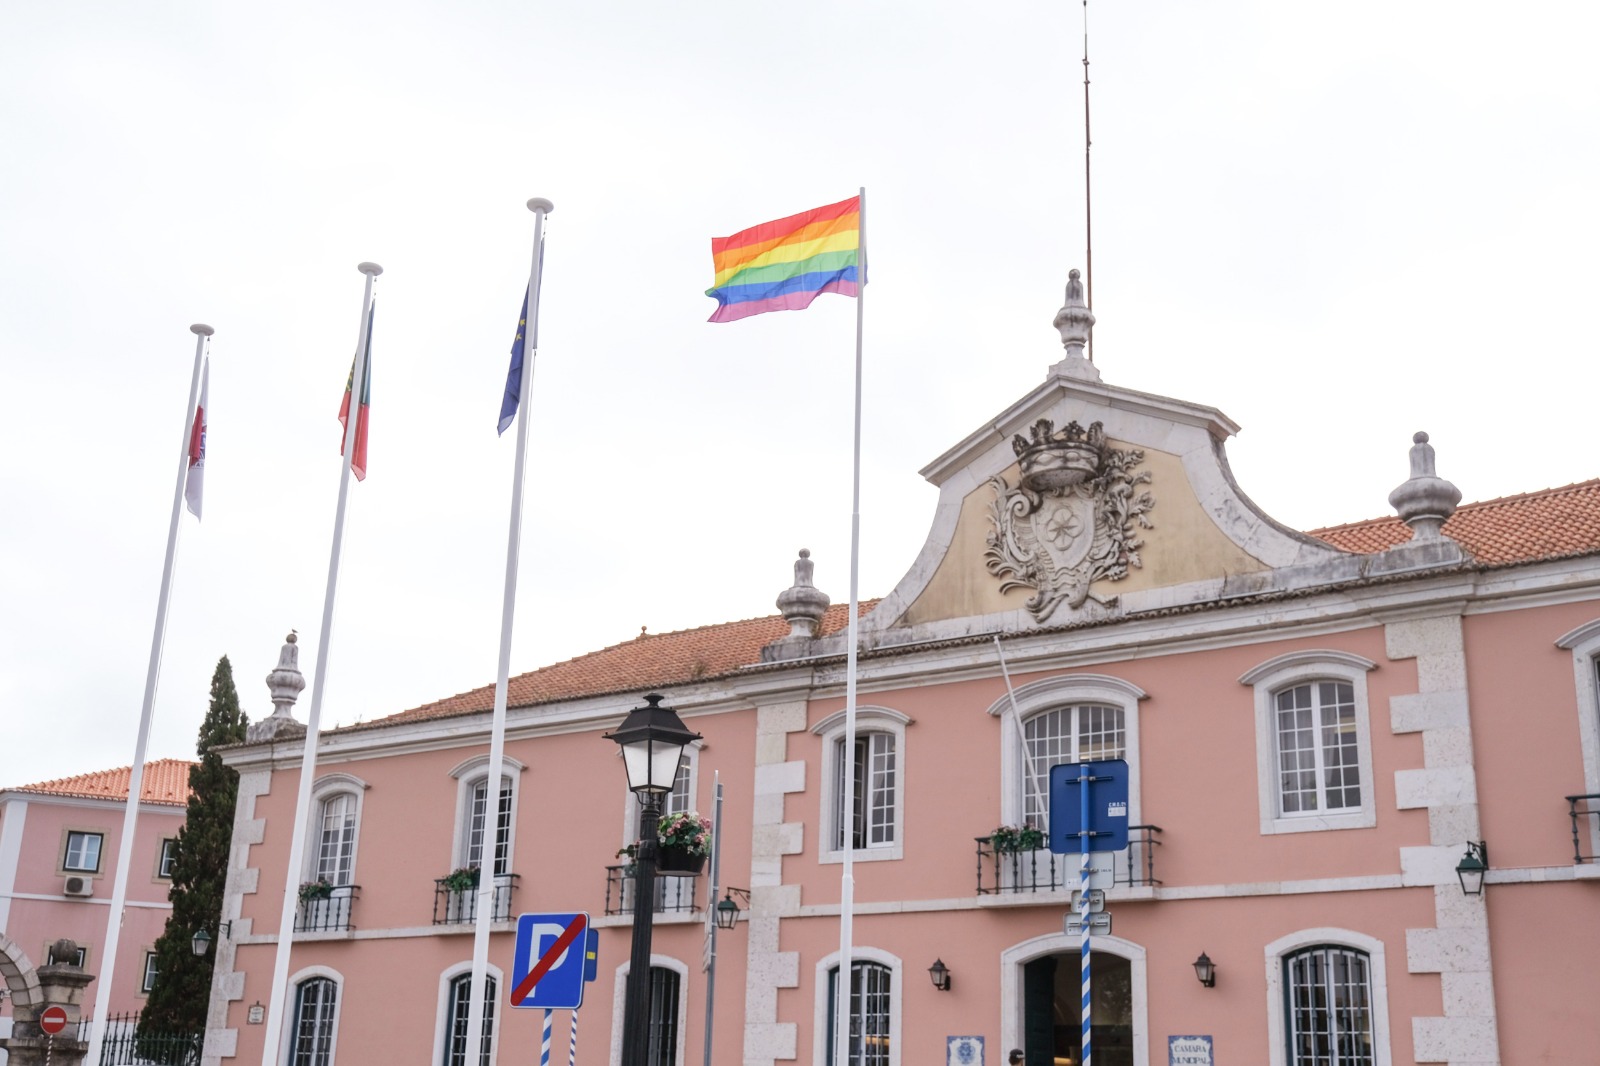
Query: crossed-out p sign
548, 968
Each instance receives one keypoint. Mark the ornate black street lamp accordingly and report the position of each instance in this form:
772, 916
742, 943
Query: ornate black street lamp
652, 739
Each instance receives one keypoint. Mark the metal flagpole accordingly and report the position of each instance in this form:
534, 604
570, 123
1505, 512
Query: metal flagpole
308, 759
508, 609
847, 880
119, 891
711, 909
1030, 771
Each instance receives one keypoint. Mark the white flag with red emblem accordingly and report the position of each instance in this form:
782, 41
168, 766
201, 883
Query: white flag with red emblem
194, 484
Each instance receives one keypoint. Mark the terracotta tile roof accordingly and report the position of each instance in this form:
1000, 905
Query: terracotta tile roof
1534, 526
650, 660
165, 781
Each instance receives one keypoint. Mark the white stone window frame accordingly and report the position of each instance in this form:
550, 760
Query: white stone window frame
441, 1028
1584, 644
469, 773
831, 730
619, 1001
1377, 972
820, 1009
286, 1037
630, 812
1053, 693
1013, 1010
1298, 668
323, 789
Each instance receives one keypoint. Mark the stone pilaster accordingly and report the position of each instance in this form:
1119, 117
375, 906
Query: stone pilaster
1457, 948
766, 1040
227, 983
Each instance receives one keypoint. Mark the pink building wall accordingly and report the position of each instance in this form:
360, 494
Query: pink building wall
34, 910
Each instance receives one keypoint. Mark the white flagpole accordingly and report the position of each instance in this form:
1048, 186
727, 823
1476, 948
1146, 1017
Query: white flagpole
271, 1035
847, 879
119, 891
508, 609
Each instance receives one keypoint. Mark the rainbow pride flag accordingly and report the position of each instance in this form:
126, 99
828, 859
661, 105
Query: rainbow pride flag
784, 265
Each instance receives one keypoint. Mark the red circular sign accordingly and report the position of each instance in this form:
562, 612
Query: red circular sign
53, 1020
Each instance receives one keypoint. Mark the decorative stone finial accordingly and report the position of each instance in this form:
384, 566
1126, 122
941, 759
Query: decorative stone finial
1075, 322
285, 683
1425, 500
803, 604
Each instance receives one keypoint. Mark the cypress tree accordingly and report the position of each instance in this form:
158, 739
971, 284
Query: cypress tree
182, 989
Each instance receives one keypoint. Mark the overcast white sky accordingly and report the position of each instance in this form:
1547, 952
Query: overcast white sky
1339, 223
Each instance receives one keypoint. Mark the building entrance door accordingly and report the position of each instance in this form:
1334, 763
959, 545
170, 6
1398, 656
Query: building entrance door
1052, 993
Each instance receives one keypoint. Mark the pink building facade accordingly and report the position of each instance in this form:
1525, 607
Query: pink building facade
1316, 726
59, 842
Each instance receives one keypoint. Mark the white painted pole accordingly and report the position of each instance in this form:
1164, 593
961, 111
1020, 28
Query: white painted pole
1029, 769
847, 879
711, 911
130, 816
272, 1034
508, 609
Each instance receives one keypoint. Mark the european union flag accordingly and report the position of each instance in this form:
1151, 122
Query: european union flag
508, 403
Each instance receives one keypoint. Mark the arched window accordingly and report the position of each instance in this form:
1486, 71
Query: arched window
316, 1004
1329, 1018
665, 989
870, 1042
1327, 999
1083, 732
475, 830
460, 1002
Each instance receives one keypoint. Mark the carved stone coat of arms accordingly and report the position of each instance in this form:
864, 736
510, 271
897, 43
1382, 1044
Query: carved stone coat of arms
1071, 518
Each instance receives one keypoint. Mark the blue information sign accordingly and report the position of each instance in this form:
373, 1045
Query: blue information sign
1107, 820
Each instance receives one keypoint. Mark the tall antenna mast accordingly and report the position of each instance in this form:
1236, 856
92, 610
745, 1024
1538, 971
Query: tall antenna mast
1088, 213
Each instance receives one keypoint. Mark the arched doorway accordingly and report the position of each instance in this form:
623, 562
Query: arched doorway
21, 983
1041, 993
1052, 1010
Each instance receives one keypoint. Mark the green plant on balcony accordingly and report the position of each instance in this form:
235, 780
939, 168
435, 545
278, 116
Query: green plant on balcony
686, 831
464, 879
1007, 839
321, 888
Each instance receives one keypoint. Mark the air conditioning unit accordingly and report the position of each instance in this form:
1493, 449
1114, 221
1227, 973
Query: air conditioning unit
79, 886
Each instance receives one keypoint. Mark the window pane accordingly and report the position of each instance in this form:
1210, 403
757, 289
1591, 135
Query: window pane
869, 1014
315, 1001
1318, 748
475, 828
1086, 733
149, 971
1330, 1013
455, 1052
663, 1016
873, 770
83, 852
336, 843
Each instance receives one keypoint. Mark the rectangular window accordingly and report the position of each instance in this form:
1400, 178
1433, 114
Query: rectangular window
78, 958
1318, 748
871, 822
336, 839
83, 852
1085, 733
169, 851
149, 981
476, 819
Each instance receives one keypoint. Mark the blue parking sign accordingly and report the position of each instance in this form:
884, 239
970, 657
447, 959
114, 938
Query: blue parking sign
548, 968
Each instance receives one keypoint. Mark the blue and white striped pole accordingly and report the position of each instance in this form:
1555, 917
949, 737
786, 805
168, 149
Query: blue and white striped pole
1085, 837
544, 1047
572, 1047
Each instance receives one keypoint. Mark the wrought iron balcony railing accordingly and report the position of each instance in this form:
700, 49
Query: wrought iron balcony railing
673, 894
1580, 809
459, 906
328, 914
1042, 871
